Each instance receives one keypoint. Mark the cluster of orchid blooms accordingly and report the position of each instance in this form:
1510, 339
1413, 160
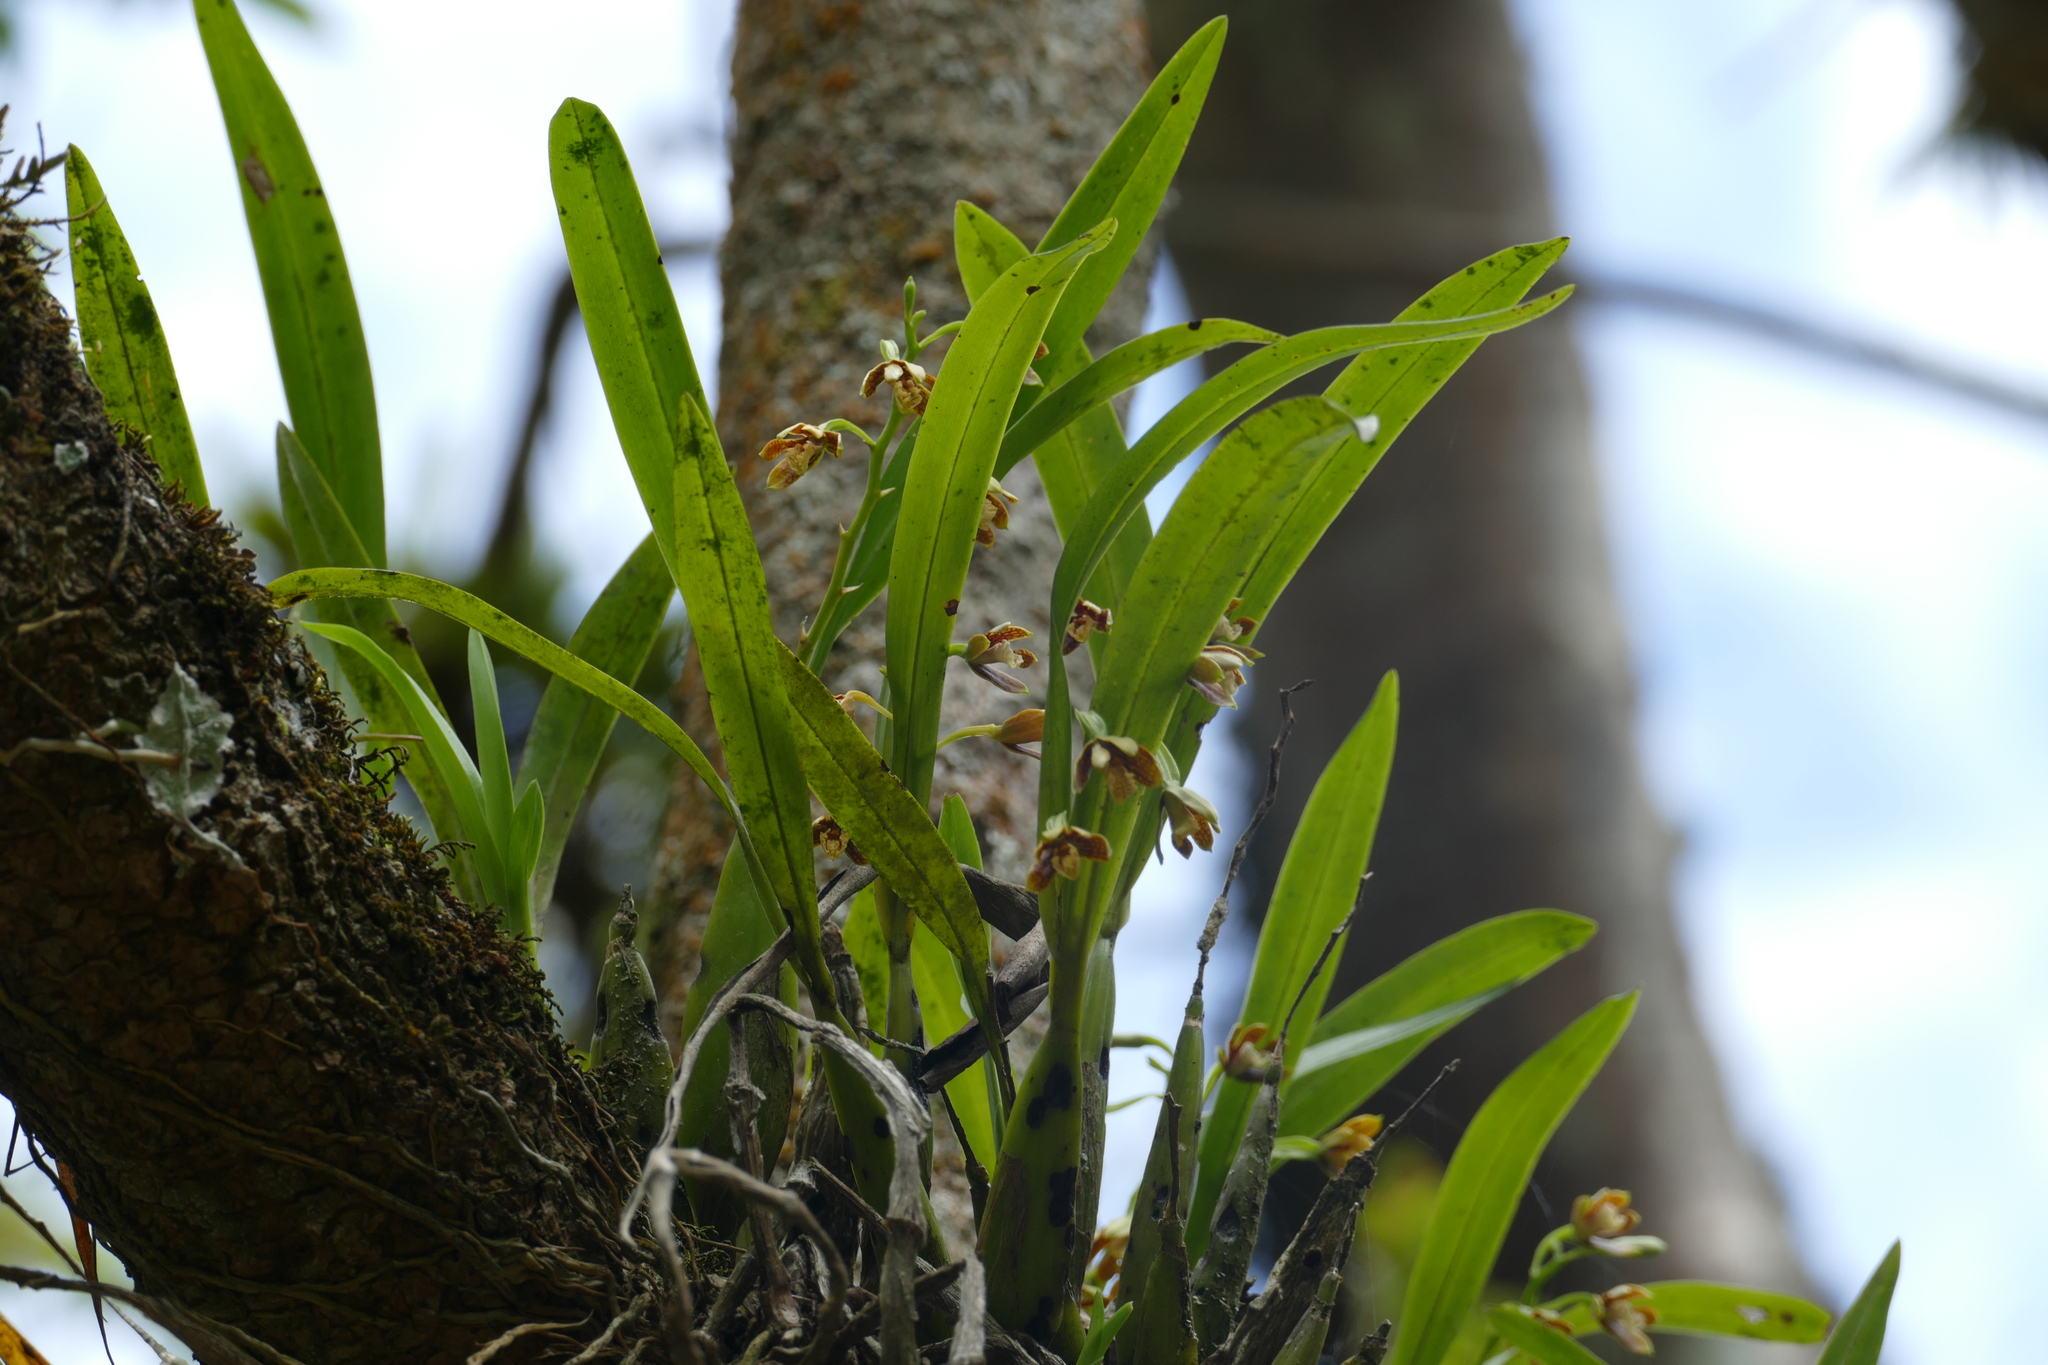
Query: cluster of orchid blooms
1216, 673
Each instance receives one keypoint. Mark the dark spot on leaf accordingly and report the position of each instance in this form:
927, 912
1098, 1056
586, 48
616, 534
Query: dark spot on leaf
1034, 1112
1059, 1087
585, 150
881, 1127
1102, 1063
1030, 289
1195, 326
1471, 269
952, 606
604, 1017
141, 317
647, 1019
1059, 1203
1175, 99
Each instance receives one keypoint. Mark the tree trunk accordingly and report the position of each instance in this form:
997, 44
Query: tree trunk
1353, 153
858, 127
316, 1105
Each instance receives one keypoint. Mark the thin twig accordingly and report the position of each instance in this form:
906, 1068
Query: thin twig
41, 1230
1221, 909
1323, 959
1416, 1103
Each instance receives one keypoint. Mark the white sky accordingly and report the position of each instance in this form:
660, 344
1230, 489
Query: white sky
1834, 581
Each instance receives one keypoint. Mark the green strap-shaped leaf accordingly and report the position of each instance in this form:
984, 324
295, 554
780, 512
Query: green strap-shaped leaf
1071, 459
1224, 398
1392, 385
977, 1094
120, 334
321, 354
660, 413
1457, 974
321, 534
1128, 182
571, 727
1487, 1175
1317, 887
1858, 1338
1191, 570
629, 311
892, 831
1703, 1308
1345, 1047
947, 482
718, 569
509, 826
1538, 1340
1124, 368
452, 602
444, 751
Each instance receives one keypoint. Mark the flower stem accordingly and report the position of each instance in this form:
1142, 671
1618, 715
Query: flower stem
879, 450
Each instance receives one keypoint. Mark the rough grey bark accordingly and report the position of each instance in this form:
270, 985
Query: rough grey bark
315, 1104
1353, 152
858, 125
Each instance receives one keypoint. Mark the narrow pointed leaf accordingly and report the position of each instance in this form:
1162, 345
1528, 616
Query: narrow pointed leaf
1449, 976
571, 728
660, 413
1487, 1176
314, 325
443, 750
1123, 369
1538, 1340
890, 827
1858, 1338
1191, 570
1317, 887
1227, 396
454, 603
491, 760
1129, 180
1392, 384
1703, 1308
629, 310
946, 483
1070, 461
120, 334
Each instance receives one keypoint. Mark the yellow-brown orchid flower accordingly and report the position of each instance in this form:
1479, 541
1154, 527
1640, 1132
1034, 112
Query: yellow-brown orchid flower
1251, 1054
1625, 1320
1025, 727
1232, 626
988, 654
828, 837
995, 513
1218, 672
1124, 764
1193, 820
1061, 850
798, 448
1604, 1213
1347, 1140
1087, 619
912, 386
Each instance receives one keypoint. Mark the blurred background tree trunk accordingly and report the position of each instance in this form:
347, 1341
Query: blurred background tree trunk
1353, 153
